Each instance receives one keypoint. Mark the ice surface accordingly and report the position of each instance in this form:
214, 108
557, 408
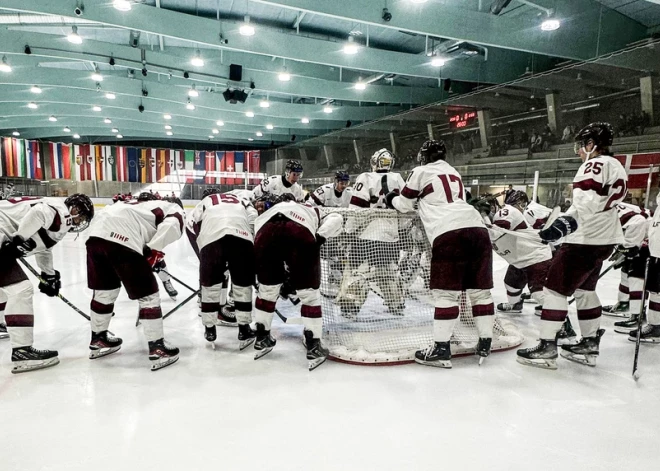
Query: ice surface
223, 410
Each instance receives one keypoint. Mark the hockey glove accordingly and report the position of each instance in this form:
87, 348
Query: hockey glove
154, 257
561, 227
481, 205
160, 265
17, 247
389, 197
320, 240
50, 284
628, 252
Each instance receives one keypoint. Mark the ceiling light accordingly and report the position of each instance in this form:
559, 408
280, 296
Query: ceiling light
350, 47
189, 105
550, 25
193, 91
249, 114
76, 136
259, 134
107, 121
438, 62
250, 139
119, 136
246, 28
360, 85
110, 96
16, 133
33, 105
96, 108
419, 1
73, 36
284, 76
211, 136
215, 131
52, 119
97, 75
169, 133
122, 5
4, 67
264, 104
197, 60
35, 89
220, 123
327, 109
115, 130
168, 127
67, 129
305, 120
167, 116
269, 126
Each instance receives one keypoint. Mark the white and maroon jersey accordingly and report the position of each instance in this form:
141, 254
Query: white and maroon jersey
278, 185
222, 214
442, 207
536, 214
306, 215
599, 185
44, 220
327, 196
634, 223
626, 211
135, 224
654, 231
243, 194
517, 251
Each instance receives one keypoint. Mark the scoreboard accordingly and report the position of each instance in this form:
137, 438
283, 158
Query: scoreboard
462, 120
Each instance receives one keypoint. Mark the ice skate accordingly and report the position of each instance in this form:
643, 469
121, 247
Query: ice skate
538, 310
620, 309
161, 354
649, 334
103, 344
171, 292
3, 332
511, 308
210, 334
438, 355
227, 316
624, 327
527, 298
25, 359
566, 336
264, 343
246, 336
585, 352
316, 352
544, 355
483, 348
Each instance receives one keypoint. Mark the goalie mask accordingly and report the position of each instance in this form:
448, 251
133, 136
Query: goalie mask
81, 209
382, 161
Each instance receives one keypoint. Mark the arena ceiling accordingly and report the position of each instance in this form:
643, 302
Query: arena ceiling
416, 53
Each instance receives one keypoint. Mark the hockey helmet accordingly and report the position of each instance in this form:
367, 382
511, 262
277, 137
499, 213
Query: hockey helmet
84, 211
175, 200
212, 190
600, 134
382, 161
146, 196
293, 166
518, 198
432, 151
342, 176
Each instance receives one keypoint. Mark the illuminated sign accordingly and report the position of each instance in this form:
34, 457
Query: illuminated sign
462, 120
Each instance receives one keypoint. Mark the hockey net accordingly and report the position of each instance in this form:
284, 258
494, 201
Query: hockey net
376, 301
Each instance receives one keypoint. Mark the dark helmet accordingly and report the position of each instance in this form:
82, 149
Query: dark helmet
213, 190
342, 176
146, 196
432, 151
600, 134
293, 166
518, 198
85, 209
175, 200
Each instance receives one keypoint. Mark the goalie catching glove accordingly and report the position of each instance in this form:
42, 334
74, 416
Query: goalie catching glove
561, 227
50, 284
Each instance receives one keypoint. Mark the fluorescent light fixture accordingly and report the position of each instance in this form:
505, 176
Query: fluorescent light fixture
32, 105
250, 139
327, 109
215, 131
169, 133
305, 120
4, 66
122, 5
264, 104
119, 136
107, 121
550, 24
350, 47
110, 96
246, 28
52, 119
76, 136
360, 85
73, 36
197, 60
259, 134
193, 92
167, 116
66, 129
438, 62
220, 123
115, 130
36, 89
284, 76
168, 127
96, 108
249, 114
269, 126
211, 136
189, 105
16, 133
97, 76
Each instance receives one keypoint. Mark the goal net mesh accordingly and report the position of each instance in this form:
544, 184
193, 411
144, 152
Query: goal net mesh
376, 301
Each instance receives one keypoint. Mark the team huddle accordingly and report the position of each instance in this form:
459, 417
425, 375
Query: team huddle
273, 239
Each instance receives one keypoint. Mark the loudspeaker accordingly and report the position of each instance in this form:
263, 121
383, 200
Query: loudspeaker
349, 123
235, 72
447, 84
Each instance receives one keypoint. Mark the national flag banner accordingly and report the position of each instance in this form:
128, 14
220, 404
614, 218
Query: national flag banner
133, 159
172, 161
253, 165
200, 170
10, 158
36, 149
220, 167
145, 174
189, 165
110, 160
639, 166
210, 176
99, 162
84, 162
239, 160
229, 166
20, 158
121, 164
162, 169
33, 160
56, 162
4, 164
153, 175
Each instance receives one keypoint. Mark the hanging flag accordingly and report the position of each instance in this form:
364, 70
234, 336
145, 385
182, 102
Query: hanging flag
121, 164
239, 159
55, 151
229, 165
210, 168
173, 161
33, 160
67, 161
189, 165
162, 169
200, 161
84, 163
110, 168
254, 165
151, 154
133, 159
20, 160
99, 162
220, 167
4, 167
144, 163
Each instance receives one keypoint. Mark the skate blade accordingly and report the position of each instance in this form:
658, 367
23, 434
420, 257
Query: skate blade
625, 330
438, 364
25, 366
173, 298
263, 352
481, 360
537, 313
163, 362
617, 314
633, 338
212, 345
549, 364
568, 341
243, 344
588, 360
94, 354
226, 323
4, 335
315, 363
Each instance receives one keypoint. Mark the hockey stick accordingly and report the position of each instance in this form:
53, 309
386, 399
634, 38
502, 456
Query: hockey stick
180, 305
635, 372
599, 277
178, 280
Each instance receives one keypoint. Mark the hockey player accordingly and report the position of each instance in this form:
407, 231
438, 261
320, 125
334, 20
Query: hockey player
635, 228
536, 214
290, 233
223, 228
333, 195
461, 260
651, 332
32, 226
592, 229
282, 184
126, 241
372, 235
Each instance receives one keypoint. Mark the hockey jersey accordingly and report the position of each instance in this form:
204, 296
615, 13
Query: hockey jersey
306, 215
517, 251
442, 207
599, 185
634, 222
325, 195
44, 220
135, 224
222, 214
278, 185
654, 231
536, 214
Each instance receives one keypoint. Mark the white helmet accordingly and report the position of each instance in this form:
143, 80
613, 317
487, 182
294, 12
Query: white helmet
382, 160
